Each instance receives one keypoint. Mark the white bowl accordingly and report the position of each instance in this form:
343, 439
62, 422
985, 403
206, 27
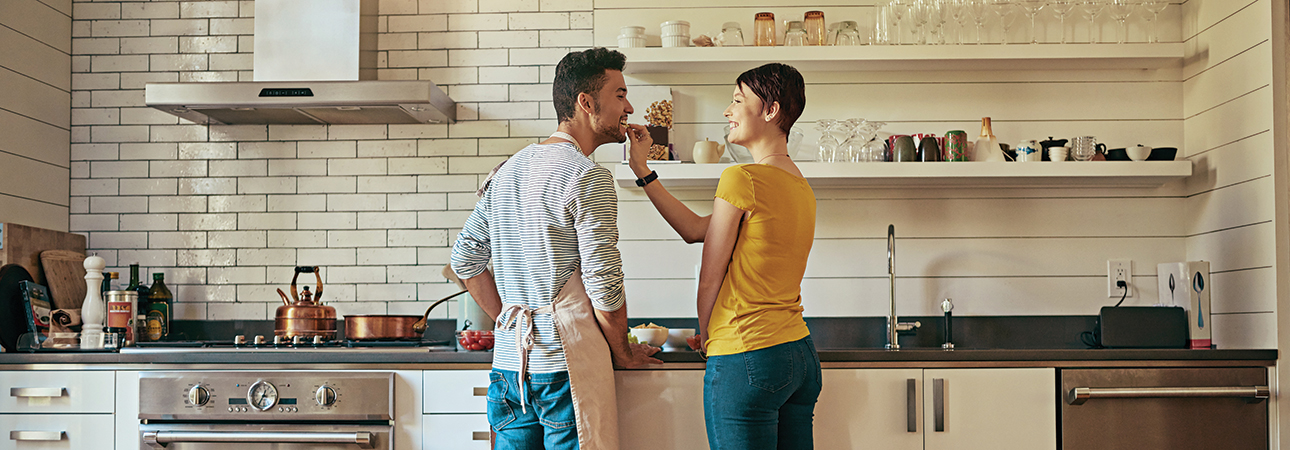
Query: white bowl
631, 41
632, 31
1138, 153
676, 27
676, 338
652, 336
1057, 154
676, 40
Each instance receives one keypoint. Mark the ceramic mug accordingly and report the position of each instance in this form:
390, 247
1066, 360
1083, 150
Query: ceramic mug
1028, 151
903, 149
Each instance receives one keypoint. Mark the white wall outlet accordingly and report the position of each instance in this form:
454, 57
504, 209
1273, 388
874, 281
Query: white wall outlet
1119, 270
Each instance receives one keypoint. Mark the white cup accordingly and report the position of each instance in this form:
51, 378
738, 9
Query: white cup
632, 31
631, 41
678, 40
676, 27
1138, 152
1057, 154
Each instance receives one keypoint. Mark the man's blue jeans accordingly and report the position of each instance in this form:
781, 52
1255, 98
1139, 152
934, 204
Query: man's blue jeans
763, 399
548, 422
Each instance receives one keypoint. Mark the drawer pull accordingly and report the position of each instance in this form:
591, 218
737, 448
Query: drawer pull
938, 403
37, 392
911, 405
37, 435
481, 392
1251, 394
479, 436
159, 439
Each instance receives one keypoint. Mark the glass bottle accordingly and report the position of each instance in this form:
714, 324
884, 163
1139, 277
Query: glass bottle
160, 301
764, 29
987, 146
141, 307
107, 280
815, 29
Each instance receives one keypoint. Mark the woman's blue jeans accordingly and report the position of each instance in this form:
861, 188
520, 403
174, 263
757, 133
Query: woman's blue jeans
762, 399
546, 422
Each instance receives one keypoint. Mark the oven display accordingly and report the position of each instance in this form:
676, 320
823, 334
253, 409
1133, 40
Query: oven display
263, 395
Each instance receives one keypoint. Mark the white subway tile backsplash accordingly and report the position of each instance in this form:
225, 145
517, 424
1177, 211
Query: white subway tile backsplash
97, 116
177, 168
177, 239
448, 6
327, 221
177, 204
534, 128
91, 81
115, 169
355, 275
85, 11
208, 44
266, 221
118, 28
115, 240
367, 166
235, 275
582, 19
149, 222
190, 301
530, 92
441, 219
149, 186
303, 202
448, 76
78, 205
207, 186
395, 74
416, 202
404, 24
387, 220
337, 149
148, 258
92, 152
494, 75
240, 311
239, 168
319, 185
207, 150
413, 274
472, 165
355, 202
147, 10
93, 222
351, 132
96, 46
147, 116
119, 63
180, 27
94, 187
177, 62
565, 5
418, 238
298, 239
418, 166
378, 149
506, 146
447, 147
476, 22
178, 133
539, 21
208, 9
232, 61
478, 93
478, 57
280, 167
236, 239
417, 58
208, 77
508, 110
101, 99
232, 26
537, 57
487, 128
150, 45
297, 132
462, 200
237, 203
331, 257
449, 183
387, 292
387, 184
226, 221
360, 238
397, 7
239, 132
444, 40
118, 205
418, 131
137, 80
507, 5
566, 38
262, 150
266, 257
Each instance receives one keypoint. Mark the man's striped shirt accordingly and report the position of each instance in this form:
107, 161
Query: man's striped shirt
548, 211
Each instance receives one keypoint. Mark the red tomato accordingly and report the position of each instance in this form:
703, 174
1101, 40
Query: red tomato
475, 347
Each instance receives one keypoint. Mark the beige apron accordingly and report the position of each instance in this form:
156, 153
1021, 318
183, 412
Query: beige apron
591, 371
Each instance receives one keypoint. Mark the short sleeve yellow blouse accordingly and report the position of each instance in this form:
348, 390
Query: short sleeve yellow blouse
760, 303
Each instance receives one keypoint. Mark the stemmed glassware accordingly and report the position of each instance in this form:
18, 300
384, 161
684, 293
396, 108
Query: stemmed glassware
899, 9
958, 10
937, 14
918, 12
979, 9
1120, 11
1007, 12
1155, 7
1090, 9
1031, 8
1062, 8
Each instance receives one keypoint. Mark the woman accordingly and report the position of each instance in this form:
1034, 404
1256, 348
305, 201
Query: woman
763, 374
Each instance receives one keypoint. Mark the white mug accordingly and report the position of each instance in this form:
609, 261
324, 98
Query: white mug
1029, 151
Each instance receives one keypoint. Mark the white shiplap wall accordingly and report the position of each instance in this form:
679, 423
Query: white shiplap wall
226, 211
35, 111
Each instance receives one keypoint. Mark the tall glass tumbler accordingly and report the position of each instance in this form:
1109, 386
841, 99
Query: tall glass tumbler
764, 29
814, 25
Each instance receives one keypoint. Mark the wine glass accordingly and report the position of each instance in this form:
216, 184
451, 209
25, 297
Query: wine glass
1031, 8
979, 10
918, 12
1090, 9
1120, 11
937, 16
899, 9
958, 10
1155, 7
1062, 8
1007, 12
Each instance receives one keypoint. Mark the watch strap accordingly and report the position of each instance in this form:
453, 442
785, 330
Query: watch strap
653, 175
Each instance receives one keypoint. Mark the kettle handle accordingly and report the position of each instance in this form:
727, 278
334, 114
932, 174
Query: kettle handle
317, 273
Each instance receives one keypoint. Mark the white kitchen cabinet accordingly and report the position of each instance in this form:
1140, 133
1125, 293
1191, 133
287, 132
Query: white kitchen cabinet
997, 409
661, 409
455, 391
57, 391
55, 431
870, 408
454, 432
127, 411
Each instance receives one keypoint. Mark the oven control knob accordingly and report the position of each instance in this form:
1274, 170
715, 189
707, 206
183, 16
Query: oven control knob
325, 396
199, 396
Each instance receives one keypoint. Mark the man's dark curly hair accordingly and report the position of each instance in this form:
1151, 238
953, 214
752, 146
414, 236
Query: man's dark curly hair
581, 72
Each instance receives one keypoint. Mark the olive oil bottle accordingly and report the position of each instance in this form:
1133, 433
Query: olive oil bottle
160, 302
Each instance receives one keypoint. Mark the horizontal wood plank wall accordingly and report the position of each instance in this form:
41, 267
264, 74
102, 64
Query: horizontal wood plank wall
35, 112
1227, 103
994, 251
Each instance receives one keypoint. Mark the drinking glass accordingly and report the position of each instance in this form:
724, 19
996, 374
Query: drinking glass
937, 13
959, 12
899, 9
918, 16
1007, 12
1120, 11
813, 23
764, 30
1062, 8
794, 36
882, 25
1031, 8
1090, 9
848, 34
1083, 148
1155, 7
828, 144
979, 10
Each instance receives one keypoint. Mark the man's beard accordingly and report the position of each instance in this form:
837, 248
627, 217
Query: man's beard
611, 134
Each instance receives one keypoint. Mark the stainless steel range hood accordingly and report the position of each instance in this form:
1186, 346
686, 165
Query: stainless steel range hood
315, 63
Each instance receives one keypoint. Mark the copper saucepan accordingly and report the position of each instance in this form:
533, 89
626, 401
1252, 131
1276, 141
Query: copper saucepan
387, 326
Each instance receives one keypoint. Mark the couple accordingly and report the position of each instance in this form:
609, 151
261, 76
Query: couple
547, 220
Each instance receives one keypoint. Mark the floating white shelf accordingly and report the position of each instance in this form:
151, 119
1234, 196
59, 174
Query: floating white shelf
868, 58
942, 174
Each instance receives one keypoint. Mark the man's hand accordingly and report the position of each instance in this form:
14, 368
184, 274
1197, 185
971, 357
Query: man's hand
641, 357
638, 153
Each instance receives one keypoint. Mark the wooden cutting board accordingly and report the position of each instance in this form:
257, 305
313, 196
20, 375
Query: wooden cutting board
21, 244
65, 273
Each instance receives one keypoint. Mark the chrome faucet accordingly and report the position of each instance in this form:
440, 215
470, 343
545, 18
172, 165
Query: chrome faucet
894, 326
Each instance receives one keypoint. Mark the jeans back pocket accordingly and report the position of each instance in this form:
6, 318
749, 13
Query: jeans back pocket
772, 368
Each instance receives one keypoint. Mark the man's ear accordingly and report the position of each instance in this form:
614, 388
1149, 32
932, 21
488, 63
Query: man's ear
774, 111
585, 103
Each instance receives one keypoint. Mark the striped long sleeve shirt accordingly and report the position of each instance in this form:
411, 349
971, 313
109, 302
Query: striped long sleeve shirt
549, 210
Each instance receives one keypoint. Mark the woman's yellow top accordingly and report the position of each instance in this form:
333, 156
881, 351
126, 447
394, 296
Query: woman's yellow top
760, 302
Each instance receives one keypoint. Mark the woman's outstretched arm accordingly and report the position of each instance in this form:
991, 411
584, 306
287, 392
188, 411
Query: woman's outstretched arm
689, 225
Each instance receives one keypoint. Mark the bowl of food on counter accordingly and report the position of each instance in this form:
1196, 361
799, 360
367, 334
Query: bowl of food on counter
475, 340
649, 334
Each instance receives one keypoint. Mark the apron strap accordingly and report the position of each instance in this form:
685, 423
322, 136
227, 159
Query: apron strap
521, 319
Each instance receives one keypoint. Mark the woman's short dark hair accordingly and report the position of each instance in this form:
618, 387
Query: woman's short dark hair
781, 83
581, 72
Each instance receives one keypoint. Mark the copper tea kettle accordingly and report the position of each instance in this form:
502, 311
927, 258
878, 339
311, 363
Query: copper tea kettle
307, 316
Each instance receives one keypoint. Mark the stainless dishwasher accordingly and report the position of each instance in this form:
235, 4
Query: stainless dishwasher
1164, 408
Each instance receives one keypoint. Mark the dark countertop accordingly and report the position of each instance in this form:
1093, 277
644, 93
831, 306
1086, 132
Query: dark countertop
680, 360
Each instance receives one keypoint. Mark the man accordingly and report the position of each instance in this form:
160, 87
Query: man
547, 219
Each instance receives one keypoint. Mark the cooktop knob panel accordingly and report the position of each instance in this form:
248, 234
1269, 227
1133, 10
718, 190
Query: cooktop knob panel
325, 396
199, 396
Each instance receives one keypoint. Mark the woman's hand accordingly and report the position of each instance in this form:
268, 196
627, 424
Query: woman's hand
698, 342
638, 150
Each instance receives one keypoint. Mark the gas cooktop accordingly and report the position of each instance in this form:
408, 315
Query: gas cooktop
278, 344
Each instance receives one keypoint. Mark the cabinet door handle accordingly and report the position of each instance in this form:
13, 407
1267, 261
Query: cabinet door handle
938, 403
481, 392
37, 435
479, 436
1251, 394
37, 392
911, 405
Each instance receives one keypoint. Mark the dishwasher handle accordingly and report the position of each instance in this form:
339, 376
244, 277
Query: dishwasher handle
159, 439
1251, 394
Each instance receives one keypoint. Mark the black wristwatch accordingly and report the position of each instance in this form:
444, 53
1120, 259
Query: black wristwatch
653, 175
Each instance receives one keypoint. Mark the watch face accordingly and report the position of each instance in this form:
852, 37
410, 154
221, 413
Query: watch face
262, 396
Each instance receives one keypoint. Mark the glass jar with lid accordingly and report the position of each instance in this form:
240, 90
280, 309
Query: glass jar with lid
764, 29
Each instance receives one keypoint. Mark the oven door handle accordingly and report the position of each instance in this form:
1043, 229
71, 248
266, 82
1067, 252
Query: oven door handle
1251, 394
159, 439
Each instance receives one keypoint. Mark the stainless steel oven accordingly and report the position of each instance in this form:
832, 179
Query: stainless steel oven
266, 410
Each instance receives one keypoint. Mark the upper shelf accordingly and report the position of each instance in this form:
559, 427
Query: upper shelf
943, 174
870, 58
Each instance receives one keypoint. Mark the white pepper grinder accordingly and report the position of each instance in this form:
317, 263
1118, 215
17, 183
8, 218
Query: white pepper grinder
93, 309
